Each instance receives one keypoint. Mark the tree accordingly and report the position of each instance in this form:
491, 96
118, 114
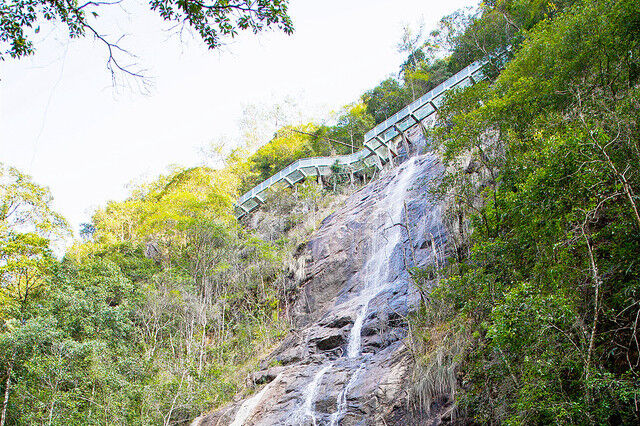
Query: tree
25, 263
543, 166
409, 44
27, 221
385, 99
26, 206
25, 260
77, 359
353, 122
286, 147
213, 20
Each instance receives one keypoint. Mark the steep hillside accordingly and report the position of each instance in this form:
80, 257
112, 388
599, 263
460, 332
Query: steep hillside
346, 360
492, 278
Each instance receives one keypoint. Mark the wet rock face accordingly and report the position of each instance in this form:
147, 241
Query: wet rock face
346, 363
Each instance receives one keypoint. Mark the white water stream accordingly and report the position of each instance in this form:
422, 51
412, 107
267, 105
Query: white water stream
390, 207
310, 393
376, 280
341, 406
250, 404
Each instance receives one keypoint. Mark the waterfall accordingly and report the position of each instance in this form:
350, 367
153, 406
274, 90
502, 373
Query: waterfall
384, 242
310, 393
341, 406
355, 340
250, 404
379, 274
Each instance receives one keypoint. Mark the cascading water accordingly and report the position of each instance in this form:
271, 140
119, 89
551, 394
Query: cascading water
383, 244
341, 406
248, 407
310, 393
352, 347
376, 281
377, 268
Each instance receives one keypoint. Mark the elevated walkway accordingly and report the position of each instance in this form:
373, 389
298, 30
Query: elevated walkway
381, 143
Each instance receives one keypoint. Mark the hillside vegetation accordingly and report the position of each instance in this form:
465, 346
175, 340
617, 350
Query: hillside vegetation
166, 303
536, 318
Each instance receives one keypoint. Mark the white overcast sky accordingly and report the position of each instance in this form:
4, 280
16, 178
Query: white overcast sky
62, 122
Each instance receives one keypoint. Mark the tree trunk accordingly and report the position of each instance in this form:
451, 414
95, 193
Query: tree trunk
597, 282
6, 392
203, 340
53, 404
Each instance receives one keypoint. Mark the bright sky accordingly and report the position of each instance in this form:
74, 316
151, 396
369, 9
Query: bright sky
62, 122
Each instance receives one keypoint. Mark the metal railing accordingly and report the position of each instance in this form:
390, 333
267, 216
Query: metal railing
379, 145
420, 109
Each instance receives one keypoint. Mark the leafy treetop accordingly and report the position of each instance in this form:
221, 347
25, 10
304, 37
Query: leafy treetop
213, 20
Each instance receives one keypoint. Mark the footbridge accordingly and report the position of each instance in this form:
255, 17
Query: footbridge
381, 144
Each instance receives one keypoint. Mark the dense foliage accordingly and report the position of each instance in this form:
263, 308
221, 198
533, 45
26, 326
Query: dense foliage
147, 321
167, 302
538, 312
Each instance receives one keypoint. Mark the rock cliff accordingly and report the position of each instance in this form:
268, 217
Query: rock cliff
346, 362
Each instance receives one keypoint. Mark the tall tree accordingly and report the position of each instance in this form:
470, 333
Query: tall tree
26, 206
27, 221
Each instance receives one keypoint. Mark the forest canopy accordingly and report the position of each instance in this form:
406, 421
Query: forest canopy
166, 303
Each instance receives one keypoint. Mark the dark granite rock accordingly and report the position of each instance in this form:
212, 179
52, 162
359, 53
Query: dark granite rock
315, 382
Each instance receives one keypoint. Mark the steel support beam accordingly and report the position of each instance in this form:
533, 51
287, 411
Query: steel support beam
405, 140
371, 150
286, 179
319, 175
391, 150
392, 153
378, 162
418, 122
